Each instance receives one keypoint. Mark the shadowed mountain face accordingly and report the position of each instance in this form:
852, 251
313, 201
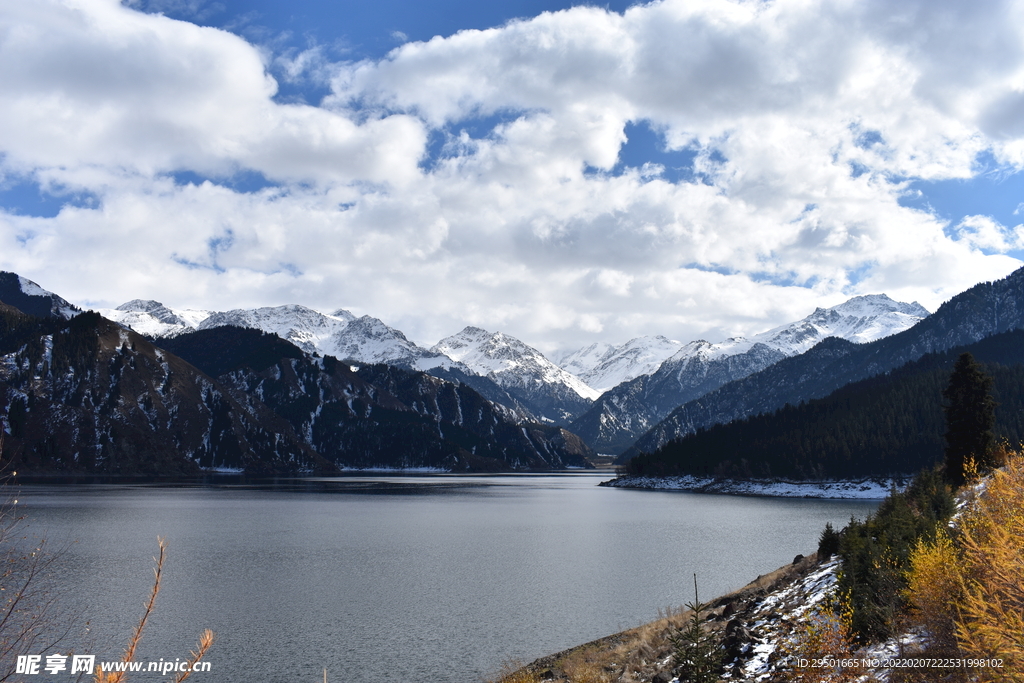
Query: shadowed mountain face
621, 415
980, 312
889, 424
377, 415
30, 298
626, 412
86, 395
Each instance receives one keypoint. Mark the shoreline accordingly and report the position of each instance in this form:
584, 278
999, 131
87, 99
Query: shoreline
867, 488
753, 620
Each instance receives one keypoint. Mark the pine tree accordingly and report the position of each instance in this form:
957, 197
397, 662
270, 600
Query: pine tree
697, 651
828, 542
970, 417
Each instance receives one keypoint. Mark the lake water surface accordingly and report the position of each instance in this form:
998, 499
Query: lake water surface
402, 578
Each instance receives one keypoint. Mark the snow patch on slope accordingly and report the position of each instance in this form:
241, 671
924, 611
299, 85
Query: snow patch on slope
603, 366
865, 489
508, 361
860, 320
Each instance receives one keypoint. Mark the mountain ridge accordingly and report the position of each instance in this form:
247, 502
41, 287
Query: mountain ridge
981, 311
87, 395
625, 413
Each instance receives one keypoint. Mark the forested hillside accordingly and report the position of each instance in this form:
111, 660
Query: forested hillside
86, 395
888, 424
983, 310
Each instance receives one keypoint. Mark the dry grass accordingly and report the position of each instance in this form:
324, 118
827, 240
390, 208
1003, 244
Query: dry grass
204, 644
632, 655
513, 671
640, 653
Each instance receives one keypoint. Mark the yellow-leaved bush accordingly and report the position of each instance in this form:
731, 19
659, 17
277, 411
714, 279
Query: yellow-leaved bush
967, 587
935, 591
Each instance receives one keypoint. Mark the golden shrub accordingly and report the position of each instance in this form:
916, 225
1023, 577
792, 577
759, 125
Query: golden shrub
935, 590
992, 606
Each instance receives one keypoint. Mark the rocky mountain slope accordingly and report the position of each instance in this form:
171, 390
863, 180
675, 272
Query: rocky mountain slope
376, 415
87, 395
29, 297
982, 311
548, 390
603, 366
623, 414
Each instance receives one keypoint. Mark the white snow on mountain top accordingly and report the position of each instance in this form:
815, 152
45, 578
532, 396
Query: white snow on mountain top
581, 361
587, 372
603, 366
304, 327
61, 307
153, 319
508, 361
308, 329
31, 288
340, 334
861, 319
369, 340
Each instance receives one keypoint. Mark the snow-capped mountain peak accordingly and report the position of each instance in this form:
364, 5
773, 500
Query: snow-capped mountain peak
583, 360
370, 340
861, 319
27, 296
162, 313
626, 411
343, 314
603, 366
518, 368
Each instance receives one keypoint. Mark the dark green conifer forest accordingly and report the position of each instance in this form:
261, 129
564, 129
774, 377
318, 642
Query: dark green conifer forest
892, 423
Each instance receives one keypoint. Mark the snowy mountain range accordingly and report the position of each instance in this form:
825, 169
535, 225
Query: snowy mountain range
984, 310
521, 370
610, 394
624, 413
501, 367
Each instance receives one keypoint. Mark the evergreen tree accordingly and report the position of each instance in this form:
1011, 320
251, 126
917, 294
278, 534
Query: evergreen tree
697, 651
970, 417
828, 542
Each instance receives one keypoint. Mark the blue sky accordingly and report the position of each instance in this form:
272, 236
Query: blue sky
563, 173
358, 30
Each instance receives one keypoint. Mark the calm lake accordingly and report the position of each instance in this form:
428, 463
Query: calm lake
400, 578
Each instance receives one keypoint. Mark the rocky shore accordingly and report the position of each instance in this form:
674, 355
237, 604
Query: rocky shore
755, 624
876, 488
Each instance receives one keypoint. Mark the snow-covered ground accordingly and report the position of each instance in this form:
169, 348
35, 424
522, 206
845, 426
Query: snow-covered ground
857, 488
779, 610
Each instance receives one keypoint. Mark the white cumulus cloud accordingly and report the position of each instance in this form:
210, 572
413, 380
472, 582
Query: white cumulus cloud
807, 119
